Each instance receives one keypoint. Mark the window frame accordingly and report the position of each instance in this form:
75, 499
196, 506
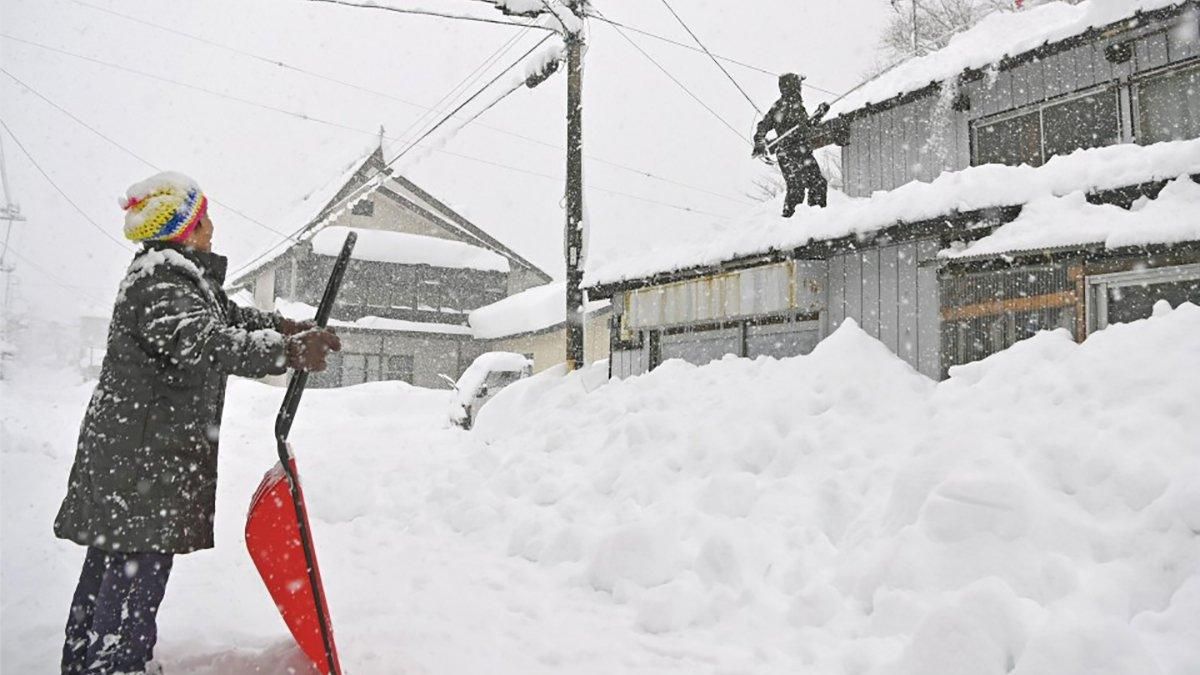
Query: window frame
1135, 90
1098, 286
1040, 108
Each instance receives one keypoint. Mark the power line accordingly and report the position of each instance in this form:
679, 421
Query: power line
60, 190
124, 149
73, 288
287, 66
684, 45
710, 55
362, 189
427, 12
463, 84
677, 82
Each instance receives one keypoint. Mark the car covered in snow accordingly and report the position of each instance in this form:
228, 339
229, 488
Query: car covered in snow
483, 379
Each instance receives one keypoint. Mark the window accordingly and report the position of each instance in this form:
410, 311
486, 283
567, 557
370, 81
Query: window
1014, 141
1085, 122
1169, 107
1041, 132
359, 368
1129, 296
399, 367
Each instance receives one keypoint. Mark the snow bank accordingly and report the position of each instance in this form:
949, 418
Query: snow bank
1038, 513
839, 513
974, 188
531, 310
998, 35
1051, 222
408, 249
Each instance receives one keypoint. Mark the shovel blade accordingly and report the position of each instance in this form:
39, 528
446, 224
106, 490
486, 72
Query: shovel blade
274, 540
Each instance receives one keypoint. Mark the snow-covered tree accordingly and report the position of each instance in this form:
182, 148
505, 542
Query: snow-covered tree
937, 22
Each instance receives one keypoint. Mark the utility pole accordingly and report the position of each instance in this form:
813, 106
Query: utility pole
10, 213
574, 236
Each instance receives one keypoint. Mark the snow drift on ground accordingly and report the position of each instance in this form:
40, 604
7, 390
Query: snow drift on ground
837, 513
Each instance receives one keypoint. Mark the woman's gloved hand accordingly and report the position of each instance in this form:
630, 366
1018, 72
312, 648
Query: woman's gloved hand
308, 349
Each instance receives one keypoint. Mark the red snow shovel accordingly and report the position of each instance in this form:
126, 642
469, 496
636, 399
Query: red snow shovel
278, 535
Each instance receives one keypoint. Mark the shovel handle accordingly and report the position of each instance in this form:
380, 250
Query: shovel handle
295, 389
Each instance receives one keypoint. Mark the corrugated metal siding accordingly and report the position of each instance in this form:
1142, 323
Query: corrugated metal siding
979, 333
700, 347
892, 298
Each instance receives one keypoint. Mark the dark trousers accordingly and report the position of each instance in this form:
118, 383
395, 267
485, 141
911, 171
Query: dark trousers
112, 626
801, 173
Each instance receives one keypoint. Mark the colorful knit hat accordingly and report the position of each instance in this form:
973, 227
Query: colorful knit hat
164, 207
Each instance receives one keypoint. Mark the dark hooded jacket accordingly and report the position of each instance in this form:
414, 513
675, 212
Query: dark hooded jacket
788, 116
145, 471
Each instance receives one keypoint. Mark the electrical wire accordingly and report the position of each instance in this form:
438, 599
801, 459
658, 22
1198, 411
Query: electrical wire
462, 85
427, 12
71, 288
680, 84
60, 190
291, 67
684, 45
124, 149
710, 55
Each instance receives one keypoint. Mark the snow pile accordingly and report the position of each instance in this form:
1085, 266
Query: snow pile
408, 249
535, 309
1068, 221
998, 35
978, 187
1037, 513
474, 376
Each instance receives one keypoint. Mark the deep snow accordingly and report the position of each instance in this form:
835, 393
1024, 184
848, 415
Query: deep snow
1038, 513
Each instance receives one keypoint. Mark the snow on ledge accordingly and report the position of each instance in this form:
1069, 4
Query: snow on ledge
971, 189
408, 249
529, 311
1051, 222
998, 35
300, 311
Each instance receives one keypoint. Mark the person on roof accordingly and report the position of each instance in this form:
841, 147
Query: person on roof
792, 126
143, 485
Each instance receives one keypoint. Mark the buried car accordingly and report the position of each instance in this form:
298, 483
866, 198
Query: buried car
483, 379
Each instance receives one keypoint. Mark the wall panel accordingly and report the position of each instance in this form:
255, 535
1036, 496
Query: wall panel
889, 297
837, 291
869, 259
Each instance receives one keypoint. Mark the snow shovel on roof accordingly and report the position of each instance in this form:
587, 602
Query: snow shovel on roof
278, 535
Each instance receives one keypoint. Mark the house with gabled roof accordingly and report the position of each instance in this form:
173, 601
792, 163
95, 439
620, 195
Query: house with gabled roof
418, 270
1039, 172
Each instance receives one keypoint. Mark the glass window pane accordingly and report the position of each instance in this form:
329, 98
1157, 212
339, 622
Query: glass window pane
1086, 122
1130, 303
1016, 140
1169, 107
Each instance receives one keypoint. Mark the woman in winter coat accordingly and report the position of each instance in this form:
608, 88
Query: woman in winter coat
143, 485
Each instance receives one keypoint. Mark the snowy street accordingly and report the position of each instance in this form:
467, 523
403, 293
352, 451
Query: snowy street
833, 513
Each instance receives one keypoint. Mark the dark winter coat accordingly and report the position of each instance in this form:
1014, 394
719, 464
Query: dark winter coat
145, 472
788, 113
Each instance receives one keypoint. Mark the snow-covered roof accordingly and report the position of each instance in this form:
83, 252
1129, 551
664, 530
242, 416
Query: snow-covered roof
971, 189
301, 311
1056, 222
535, 309
999, 35
408, 249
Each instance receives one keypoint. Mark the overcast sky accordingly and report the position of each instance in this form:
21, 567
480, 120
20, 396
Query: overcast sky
230, 119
